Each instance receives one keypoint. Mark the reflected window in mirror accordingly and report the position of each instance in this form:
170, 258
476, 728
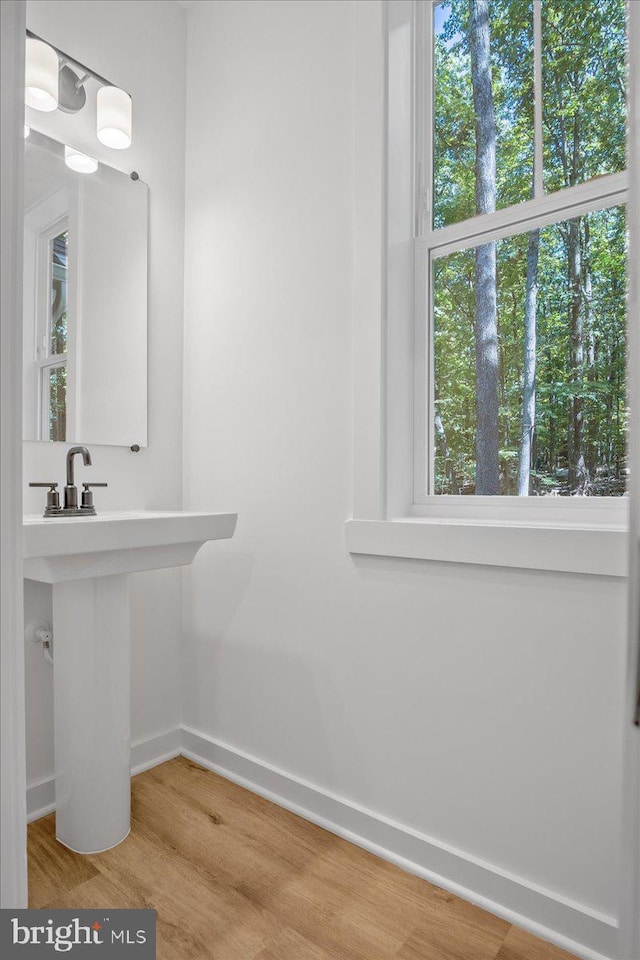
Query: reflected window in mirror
53, 339
51, 226
85, 301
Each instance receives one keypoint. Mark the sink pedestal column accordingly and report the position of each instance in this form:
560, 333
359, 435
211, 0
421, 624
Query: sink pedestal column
92, 709
87, 561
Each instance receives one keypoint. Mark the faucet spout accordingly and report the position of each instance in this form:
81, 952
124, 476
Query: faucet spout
86, 459
71, 491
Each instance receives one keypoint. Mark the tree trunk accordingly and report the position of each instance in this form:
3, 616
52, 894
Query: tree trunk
486, 319
529, 377
577, 469
592, 417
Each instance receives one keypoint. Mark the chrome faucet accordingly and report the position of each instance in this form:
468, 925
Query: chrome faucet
71, 508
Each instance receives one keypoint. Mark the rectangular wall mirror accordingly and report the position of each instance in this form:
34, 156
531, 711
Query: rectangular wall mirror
85, 301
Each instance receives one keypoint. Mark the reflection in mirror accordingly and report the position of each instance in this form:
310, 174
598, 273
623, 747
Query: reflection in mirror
85, 301
55, 362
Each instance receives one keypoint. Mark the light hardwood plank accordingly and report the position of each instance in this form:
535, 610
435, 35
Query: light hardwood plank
290, 945
520, 945
53, 868
212, 836
454, 930
203, 916
100, 892
243, 811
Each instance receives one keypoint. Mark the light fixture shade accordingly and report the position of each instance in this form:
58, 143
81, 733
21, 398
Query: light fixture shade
41, 76
78, 161
114, 117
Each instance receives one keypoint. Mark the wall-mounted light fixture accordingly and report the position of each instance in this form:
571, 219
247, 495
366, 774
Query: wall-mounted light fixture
41, 75
54, 80
78, 161
114, 118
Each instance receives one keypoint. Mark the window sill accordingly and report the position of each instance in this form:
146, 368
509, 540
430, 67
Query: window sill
595, 550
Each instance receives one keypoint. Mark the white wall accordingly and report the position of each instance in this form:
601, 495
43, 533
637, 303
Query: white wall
139, 44
476, 705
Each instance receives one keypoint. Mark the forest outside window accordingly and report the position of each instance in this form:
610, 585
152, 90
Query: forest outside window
521, 250
51, 330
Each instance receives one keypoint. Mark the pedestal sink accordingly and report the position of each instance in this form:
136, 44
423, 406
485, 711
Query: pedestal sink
87, 560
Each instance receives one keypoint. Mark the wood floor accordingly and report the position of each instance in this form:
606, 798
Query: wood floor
235, 877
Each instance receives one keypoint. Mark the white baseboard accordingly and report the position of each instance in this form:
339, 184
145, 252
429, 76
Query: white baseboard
149, 753
41, 796
40, 799
570, 925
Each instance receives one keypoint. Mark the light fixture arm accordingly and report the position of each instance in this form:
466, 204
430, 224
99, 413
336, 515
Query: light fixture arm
80, 82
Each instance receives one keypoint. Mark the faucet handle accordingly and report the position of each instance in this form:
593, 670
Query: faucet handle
87, 496
53, 497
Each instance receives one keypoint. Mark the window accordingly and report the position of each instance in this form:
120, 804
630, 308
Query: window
52, 322
520, 250
50, 313
551, 205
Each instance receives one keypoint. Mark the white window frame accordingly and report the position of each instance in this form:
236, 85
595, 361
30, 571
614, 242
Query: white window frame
391, 515
44, 221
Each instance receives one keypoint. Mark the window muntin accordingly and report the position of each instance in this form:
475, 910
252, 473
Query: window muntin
596, 175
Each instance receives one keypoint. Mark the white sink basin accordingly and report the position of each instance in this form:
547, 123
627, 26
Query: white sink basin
74, 548
87, 560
